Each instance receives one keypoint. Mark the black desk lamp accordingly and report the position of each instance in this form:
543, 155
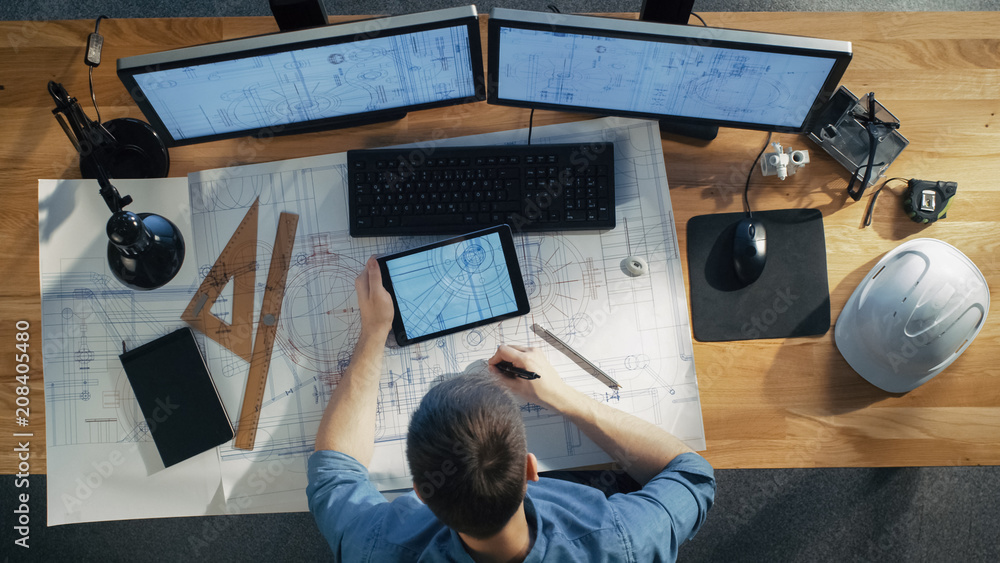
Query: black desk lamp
145, 250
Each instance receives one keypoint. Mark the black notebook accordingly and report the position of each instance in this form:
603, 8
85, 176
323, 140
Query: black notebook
178, 399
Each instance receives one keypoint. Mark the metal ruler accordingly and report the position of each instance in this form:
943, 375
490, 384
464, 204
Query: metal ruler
238, 262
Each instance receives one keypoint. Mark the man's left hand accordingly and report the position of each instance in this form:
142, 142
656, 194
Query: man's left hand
373, 300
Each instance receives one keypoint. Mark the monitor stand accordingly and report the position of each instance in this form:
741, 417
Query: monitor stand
292, 15
692, 130
677, 12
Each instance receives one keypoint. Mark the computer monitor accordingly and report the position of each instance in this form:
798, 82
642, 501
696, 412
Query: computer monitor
312, 79
690, 75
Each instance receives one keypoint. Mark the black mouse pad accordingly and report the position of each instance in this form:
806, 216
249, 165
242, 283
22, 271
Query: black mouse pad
791, 297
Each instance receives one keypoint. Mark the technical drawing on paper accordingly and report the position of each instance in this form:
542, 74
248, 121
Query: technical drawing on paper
661, 78
451, 286
576, 288
98, 446
319, 82
634, 328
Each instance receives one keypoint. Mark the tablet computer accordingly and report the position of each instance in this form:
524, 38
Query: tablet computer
454, 284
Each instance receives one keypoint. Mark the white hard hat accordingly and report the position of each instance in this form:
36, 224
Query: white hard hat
913, 314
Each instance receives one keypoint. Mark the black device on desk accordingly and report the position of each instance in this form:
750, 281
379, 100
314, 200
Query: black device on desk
182, 409
749, 249
454, 284
309, 80
446, 190
694, 75
145, 250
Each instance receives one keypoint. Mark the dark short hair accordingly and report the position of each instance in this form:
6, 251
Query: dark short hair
467, 450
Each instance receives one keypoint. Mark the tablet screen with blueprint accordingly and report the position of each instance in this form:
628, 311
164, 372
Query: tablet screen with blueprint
454, 284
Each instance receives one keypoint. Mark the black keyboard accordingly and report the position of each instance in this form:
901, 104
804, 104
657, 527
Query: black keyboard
449, 190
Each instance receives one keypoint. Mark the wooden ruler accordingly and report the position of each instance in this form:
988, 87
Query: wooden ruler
238, 262
267, 329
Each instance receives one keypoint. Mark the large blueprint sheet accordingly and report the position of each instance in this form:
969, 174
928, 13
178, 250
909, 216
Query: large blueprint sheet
100, 459
635, 328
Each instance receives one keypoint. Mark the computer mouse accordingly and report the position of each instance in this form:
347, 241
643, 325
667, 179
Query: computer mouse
749, 249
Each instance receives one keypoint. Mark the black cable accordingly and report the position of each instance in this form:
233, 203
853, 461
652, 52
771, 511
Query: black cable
553, 8
746, 189
701, 19
870, 121
870, 210
872, 148
93, 97
531, 120
90, 73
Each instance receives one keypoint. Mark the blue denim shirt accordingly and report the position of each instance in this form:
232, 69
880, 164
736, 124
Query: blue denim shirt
574, 522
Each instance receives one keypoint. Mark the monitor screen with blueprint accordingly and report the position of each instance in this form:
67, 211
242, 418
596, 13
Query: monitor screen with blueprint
697, 75
311, 79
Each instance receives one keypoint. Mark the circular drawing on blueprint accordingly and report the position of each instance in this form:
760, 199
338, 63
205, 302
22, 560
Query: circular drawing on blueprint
560, 84
131, 422
372, 75
319, 318
636, 362
275, 104
468, 272
360, 55
235, 194
284, 110
252, 254
733, 86
560, 283
581, 325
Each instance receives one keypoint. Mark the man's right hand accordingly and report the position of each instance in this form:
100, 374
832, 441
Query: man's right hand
640, 448
549, 390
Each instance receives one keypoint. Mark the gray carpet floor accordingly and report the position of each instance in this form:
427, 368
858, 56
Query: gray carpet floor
905, 514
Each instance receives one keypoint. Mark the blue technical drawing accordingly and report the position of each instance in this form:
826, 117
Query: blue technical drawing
682, 79
315, 83
452, 285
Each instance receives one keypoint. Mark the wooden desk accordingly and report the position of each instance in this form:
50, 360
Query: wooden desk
770, 403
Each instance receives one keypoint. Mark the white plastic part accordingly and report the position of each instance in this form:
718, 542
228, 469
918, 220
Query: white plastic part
917, 310
635, 265
783, 163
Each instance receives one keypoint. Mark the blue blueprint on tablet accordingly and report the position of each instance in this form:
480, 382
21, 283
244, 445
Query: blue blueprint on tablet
452, 285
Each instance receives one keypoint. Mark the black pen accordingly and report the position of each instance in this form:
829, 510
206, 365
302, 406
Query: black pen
514, 371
